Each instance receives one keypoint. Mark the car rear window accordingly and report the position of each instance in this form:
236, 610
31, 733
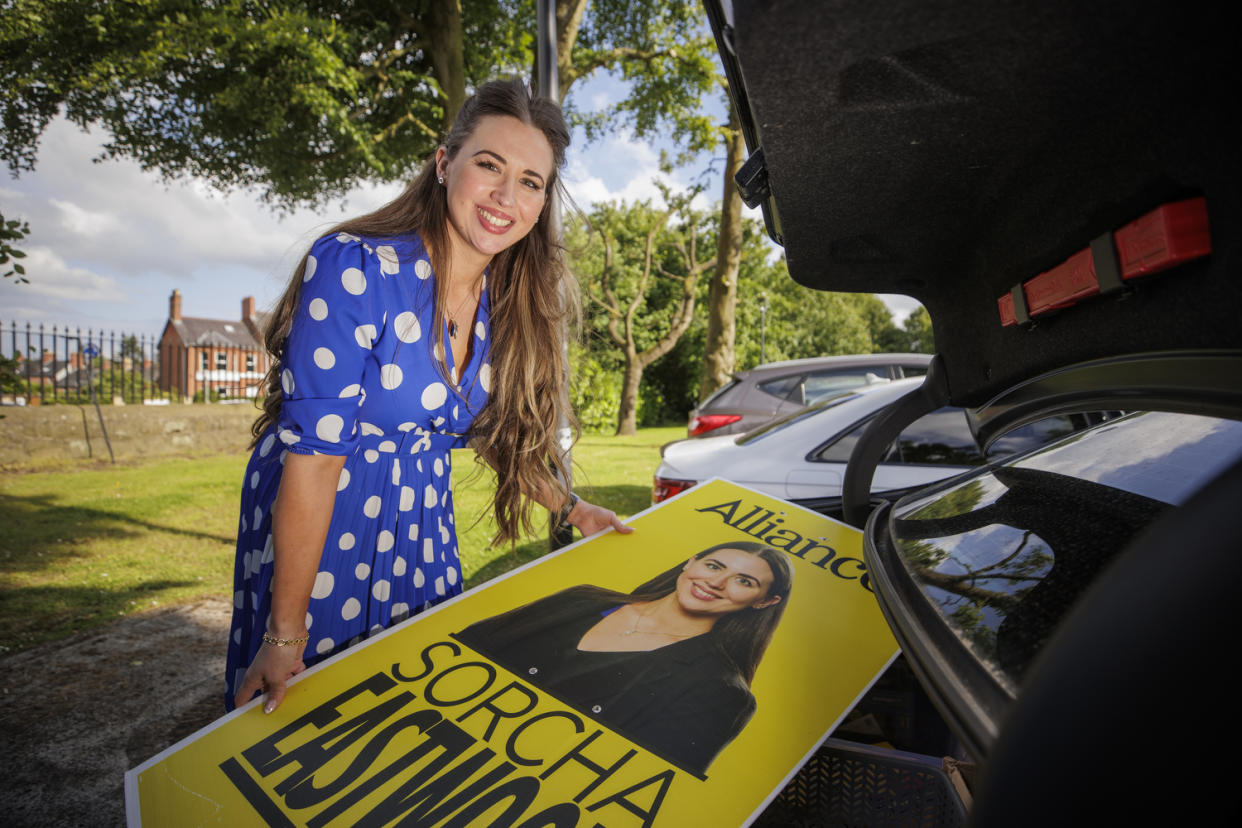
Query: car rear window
785, 422
825, 383
941, 437
719, 393
784, 388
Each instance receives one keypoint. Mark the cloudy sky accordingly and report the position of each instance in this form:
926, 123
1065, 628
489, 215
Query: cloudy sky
109, 242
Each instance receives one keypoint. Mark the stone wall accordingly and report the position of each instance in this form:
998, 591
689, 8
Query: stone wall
49, 435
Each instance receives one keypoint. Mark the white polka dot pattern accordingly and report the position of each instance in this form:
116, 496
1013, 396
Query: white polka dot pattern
323, 585
359, 381
329, 428
390, 376
434, 396
353, 281
407, 328
389, 261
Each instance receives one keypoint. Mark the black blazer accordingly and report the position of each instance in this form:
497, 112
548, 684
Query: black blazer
684, 701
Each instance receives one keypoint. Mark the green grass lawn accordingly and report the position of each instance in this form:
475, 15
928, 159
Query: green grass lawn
81, 547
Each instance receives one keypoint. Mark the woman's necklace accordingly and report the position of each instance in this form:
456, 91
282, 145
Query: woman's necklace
640, 616
453, 315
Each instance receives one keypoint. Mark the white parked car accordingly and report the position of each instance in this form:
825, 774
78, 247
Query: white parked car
803, 456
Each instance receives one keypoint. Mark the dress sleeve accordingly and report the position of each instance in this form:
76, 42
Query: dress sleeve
339, 316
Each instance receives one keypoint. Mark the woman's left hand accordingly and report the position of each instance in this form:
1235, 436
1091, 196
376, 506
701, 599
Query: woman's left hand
588, 519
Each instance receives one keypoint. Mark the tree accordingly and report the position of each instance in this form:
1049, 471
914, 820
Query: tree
13, 230
639, 272
886, 337
719, 358
131, 349
918, 331
800, 322
302, 99
305, 99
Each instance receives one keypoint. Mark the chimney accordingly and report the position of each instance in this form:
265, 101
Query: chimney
174, 306
248, 308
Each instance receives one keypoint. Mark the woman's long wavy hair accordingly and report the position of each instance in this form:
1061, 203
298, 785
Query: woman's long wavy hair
532, 300
744, 635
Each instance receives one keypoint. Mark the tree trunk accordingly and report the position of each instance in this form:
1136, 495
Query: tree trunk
447, 58
568, 20
718, 358
627, 414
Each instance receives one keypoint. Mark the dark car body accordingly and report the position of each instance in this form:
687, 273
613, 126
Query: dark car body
1060, 185
777, 389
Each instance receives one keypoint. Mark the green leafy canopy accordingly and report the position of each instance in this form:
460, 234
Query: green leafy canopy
302, 100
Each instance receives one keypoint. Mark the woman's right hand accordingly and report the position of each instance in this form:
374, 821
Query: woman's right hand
273, 665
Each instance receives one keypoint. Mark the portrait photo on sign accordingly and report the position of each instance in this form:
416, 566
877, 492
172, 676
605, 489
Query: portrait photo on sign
668, 664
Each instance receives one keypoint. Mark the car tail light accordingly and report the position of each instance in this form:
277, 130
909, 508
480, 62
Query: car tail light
665, 488
710, 422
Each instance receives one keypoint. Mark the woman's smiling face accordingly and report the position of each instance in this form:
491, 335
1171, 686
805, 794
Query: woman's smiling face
496, 185
725, 581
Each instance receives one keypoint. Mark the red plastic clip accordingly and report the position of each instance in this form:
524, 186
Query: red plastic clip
1167, 236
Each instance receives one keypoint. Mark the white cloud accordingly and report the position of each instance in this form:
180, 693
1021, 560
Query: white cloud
50, 277
86, 223
900, 306
624, 169
111, 232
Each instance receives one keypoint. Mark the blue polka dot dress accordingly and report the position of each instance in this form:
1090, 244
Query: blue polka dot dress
360, 380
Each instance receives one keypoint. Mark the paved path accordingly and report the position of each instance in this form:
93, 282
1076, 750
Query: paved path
76, 714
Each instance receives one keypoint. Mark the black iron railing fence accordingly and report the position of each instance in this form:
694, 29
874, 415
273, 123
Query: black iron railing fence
42, 365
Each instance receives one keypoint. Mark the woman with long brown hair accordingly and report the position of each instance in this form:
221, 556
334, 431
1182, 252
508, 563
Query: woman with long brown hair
668, 665
433, 323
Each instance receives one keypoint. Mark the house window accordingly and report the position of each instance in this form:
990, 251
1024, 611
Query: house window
222, 360
203, 360
249, 362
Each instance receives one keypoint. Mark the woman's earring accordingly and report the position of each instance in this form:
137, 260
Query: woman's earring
440, 179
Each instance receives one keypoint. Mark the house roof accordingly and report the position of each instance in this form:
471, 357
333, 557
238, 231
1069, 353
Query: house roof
216, 332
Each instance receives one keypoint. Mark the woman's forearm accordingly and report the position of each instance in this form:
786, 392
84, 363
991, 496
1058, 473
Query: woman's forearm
300, 519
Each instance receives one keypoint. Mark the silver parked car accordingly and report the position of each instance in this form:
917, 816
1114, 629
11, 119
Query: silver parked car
776, 389
802, 457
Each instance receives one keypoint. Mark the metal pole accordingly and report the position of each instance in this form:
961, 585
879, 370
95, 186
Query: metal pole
549, 87
763, 319
90, 352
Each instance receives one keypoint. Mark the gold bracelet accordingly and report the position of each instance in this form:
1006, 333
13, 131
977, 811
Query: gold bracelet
268, 638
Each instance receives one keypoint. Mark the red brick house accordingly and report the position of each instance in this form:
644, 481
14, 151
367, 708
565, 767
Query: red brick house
224, 357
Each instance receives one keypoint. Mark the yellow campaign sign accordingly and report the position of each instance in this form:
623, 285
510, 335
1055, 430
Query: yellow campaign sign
524, 703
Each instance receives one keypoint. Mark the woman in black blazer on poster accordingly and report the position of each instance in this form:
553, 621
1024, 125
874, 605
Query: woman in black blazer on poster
668, 665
